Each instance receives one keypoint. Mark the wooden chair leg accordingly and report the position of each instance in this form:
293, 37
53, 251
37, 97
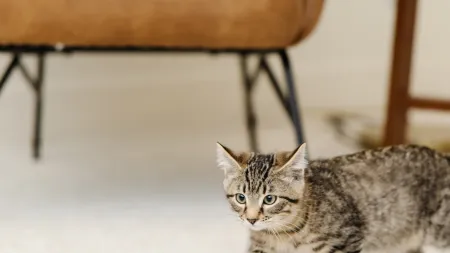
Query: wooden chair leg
399, 99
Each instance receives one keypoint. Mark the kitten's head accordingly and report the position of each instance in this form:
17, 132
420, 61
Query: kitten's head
264, 190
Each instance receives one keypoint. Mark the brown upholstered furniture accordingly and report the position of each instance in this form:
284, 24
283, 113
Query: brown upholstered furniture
209, 24
245, 27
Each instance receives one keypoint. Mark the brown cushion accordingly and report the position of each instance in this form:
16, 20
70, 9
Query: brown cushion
160, 23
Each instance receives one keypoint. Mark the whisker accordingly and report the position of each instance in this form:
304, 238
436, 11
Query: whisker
276, 235
281, 224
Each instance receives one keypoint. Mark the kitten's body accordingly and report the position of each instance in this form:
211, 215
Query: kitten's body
395, 199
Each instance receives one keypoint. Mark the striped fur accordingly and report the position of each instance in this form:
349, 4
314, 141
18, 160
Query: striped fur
393, 199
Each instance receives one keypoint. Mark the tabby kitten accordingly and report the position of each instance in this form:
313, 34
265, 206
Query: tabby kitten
393, 199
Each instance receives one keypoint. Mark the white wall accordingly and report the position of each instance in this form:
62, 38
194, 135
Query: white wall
345, 63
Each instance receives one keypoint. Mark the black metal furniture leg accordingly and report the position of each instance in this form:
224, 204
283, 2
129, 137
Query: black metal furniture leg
37, 86
12, 65
292, 96
39, 82
288, 99
248, 82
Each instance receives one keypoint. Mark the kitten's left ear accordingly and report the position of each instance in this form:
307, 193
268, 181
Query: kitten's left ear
296, 160
230, 161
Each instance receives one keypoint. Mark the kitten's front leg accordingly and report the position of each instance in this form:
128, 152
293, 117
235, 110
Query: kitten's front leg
349, 244
256, 249
259, 244
260, 248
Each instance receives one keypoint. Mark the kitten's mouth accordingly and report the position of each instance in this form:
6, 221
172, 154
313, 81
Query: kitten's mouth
256, 227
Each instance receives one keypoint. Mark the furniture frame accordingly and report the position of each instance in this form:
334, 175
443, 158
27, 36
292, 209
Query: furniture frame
286, 95
400, 100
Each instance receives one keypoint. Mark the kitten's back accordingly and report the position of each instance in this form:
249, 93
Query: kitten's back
399, 192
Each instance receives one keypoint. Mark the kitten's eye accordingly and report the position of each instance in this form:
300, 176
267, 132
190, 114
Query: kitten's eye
270, 199
240, 198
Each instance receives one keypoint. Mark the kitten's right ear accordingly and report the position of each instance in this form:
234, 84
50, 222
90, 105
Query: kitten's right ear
229, 161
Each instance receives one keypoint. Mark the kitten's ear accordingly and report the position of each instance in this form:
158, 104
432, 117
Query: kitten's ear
296, 160
229, 161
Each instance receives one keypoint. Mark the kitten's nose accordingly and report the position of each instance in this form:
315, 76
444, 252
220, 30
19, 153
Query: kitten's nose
252, 221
